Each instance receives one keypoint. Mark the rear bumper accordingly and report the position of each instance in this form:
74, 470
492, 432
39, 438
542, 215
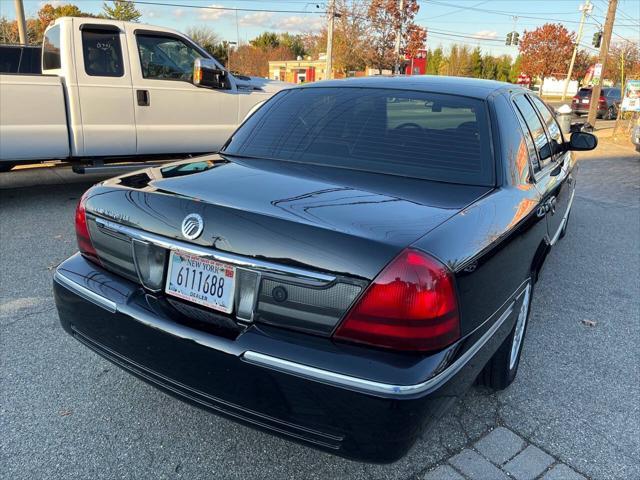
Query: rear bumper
584, 110
359, 403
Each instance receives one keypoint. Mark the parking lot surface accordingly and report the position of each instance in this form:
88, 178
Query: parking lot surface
571, 413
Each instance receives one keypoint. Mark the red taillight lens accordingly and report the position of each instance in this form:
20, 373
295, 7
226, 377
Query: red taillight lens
411, 306
82, 231
602, 100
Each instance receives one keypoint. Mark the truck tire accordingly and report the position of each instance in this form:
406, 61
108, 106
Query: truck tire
502, 368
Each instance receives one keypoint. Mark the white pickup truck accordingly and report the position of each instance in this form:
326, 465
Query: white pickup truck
111, 89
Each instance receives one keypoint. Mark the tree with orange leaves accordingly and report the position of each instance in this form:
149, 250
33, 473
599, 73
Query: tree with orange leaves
546, 51
386, 18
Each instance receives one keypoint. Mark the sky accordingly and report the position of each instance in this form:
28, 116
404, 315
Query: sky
448, 21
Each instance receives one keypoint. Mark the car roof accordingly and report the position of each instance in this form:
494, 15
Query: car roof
470, 87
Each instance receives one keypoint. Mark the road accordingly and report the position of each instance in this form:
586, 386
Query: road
66, 413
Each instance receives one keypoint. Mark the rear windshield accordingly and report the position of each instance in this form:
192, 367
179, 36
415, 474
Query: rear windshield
417, 134
584, 92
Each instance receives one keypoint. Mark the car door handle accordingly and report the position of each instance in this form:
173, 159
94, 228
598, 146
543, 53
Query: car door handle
144, 100
546, 207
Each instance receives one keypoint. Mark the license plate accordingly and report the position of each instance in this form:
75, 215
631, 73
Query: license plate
585, 100
199, 280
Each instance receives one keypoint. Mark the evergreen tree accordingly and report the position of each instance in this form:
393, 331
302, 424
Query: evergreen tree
475, 63
489, 67
121, 10
434, 59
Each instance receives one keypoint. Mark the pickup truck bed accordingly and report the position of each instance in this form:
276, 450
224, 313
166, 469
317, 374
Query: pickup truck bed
33, 120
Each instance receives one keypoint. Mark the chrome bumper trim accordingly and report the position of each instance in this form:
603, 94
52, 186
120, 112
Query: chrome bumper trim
85, 293
251, 263
371, 387
313, 373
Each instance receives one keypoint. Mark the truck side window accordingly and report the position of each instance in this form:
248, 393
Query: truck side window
102, 53
51, 49
536, 129
166, 58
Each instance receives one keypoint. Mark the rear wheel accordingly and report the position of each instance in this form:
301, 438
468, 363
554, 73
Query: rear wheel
501, 370
610, 113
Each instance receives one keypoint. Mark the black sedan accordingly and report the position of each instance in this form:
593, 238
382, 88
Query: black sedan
358, 254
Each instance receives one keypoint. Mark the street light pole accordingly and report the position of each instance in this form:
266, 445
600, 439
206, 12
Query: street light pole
586, 10
229, 54
22, 24
329, 66
604, 50
396, 68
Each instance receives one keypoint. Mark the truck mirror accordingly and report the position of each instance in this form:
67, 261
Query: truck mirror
207, 74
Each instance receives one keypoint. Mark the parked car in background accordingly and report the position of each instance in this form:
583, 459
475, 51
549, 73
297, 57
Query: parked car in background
357, 255
23, 59
120, 90
608, 103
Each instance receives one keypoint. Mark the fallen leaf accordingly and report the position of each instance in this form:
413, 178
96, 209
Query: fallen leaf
65, 413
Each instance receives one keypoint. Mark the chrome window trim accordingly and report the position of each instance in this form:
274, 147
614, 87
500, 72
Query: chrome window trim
367, 386
85, 293
237, 260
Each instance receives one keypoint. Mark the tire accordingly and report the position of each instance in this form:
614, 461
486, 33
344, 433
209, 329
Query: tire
502, 368
6, 166
610, 113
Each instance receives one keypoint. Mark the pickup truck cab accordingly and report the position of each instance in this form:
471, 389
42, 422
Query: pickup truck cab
119, 89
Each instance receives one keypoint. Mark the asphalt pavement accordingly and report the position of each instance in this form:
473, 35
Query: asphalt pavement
67, 413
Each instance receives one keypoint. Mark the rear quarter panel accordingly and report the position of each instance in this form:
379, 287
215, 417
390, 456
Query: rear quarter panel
492, 245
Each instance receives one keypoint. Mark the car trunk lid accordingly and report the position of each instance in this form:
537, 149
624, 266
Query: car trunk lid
343, 222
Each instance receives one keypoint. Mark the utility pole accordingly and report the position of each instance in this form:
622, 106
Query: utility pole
586, 10
22, 24
329, 67
396, 68
604, 49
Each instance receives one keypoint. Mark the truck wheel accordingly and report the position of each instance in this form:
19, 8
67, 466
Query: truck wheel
6, 166
501, 370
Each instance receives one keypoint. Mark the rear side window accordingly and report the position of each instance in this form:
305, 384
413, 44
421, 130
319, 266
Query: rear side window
536, 129
102, 53
552, 125
51, 49
416, 134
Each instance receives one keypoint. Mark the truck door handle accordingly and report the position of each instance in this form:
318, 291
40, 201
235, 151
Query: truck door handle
143, 98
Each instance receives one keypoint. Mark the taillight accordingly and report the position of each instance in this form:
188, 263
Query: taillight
411, 305
602, 100
82, 231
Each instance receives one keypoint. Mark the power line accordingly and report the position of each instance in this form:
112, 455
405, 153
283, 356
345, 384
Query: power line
231, 9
